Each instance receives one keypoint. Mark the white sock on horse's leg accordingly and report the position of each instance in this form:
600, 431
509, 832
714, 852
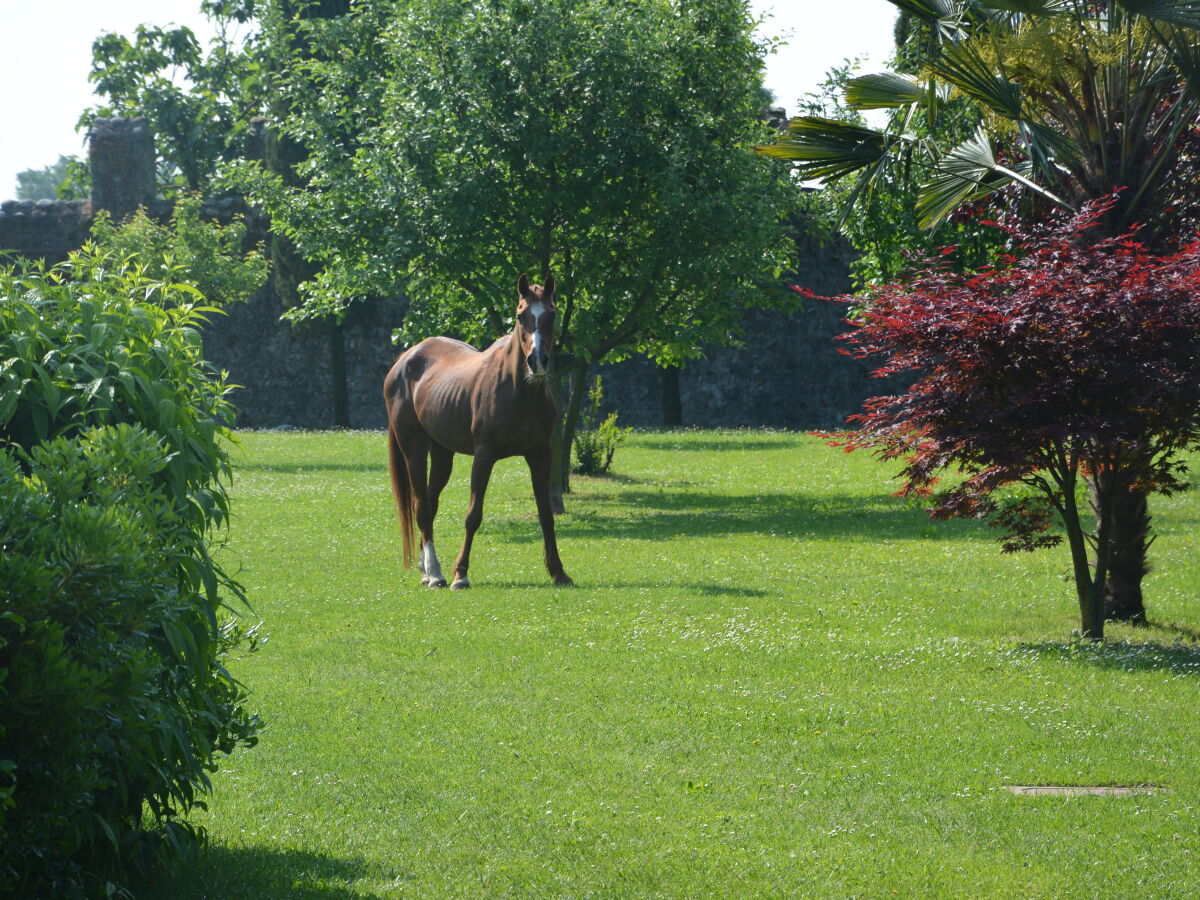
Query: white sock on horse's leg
433, 570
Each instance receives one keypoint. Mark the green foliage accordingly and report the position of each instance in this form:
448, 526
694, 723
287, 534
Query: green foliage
1067, 103
595, 444
453, 148
206, 255
116, 533
112, 693
199, 120
876, 207
66, 180
94, 340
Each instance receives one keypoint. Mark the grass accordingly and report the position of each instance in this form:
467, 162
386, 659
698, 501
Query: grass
773, 679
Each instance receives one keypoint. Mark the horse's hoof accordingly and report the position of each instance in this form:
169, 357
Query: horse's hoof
562, 579
437, 582
460, 584
425, 579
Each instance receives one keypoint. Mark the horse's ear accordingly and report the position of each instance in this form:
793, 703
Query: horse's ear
523, 285
548, 288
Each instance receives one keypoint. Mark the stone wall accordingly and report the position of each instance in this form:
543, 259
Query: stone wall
787, 372
284, 370
43, 229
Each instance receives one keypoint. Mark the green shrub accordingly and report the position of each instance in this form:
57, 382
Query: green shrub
114, 701
95, 341
202, 253
595, 444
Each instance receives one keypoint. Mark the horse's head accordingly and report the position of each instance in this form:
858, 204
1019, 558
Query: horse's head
535, 323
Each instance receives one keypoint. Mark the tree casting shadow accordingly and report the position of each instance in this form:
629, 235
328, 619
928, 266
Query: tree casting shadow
1123, 656
261, 873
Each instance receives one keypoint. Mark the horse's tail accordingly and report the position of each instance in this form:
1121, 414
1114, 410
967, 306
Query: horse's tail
402, 491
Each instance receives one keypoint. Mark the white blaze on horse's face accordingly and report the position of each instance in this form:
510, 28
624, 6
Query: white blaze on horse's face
536, 318
539, 351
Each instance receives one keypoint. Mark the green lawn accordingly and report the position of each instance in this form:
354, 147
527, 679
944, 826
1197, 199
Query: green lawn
773, 678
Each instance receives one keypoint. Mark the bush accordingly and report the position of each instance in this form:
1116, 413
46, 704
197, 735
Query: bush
202, 253
595, 444
112, 694
114, 701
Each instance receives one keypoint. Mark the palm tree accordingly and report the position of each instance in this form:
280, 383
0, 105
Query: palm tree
1074, 100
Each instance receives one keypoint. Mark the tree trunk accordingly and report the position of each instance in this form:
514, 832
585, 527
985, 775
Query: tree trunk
282, 154
672, 404
337, 374
557, 464
1130, 529
579, 373
1091, 600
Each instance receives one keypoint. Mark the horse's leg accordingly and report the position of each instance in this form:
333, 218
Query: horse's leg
539, 472
417, 457
441, 464
481, 473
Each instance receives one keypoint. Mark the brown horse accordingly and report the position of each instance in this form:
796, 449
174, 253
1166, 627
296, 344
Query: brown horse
445, 397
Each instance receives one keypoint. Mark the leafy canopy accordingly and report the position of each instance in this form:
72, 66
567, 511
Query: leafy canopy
199, 103
454, 146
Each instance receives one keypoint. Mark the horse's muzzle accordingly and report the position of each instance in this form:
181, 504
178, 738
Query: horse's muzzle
539, 363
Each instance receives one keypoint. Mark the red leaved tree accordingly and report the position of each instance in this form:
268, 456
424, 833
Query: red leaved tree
1073, 360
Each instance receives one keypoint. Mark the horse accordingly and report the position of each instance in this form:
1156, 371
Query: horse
445, 397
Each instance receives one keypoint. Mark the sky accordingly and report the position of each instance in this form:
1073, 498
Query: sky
47, 57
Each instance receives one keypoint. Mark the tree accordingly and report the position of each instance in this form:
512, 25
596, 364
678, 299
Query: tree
202, 108
284, 154
1077, 362
454, 146
199, 104
61, 180
884, 230
1075, 100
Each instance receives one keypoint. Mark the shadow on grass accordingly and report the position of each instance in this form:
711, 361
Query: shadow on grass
261, 873
303, 468
704, 590
1181, 632
756, 442
657, 515
1123, 656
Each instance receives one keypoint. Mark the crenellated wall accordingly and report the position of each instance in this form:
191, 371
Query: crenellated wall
46, 229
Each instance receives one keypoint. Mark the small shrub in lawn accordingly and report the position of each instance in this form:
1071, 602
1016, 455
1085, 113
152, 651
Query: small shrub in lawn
595, 444
114, 700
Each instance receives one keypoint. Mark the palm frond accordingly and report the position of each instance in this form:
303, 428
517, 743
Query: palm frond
963, 67
826, 148
1183, 46
1026, 7
929, 10
885, 90
1176, 12
946, 15
968, 172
